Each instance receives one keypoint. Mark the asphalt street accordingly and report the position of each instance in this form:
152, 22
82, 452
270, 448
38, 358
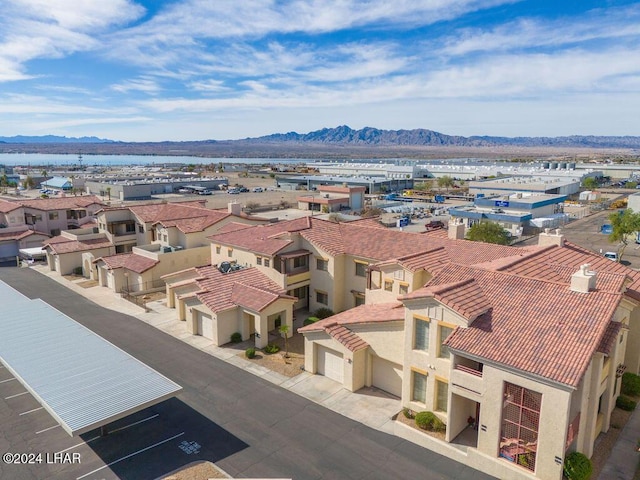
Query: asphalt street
246, 425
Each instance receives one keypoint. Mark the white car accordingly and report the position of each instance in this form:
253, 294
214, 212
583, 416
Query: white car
257, 190
611, 256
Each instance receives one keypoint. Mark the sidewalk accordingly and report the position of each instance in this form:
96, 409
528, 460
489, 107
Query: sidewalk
369, 406
623, 461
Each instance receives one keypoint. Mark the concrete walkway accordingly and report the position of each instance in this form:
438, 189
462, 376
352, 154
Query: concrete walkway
623, 461
369, 406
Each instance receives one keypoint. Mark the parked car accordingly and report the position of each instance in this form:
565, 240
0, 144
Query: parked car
611, 256
243, 189
205, 192
434, 225
257, 190
233, 191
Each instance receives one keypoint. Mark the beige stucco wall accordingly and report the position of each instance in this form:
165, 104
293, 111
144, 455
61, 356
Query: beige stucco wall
632, 357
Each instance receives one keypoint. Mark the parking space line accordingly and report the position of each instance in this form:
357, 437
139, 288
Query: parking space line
80, 444
47, 429
135, 423
7, 380
130, 455
16, 395
30, 411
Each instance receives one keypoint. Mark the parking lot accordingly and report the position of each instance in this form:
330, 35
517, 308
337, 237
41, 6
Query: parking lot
144, 445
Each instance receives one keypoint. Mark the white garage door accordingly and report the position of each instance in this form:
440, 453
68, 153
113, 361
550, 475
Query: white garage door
387, 376
330, 364
205, 325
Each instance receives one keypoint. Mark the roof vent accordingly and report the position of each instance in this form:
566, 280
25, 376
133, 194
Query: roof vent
583, 280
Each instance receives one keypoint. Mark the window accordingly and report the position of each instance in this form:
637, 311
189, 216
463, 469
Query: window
404, 289
359, 299
444, 333
258, 260
421, 334
322, 264
299, 262
322, 297
442, 396
266, 262
361, 269
218, 249
38, 218
53, 215
55, 232
519, 429
165, 238
140, 228
229, 252
398, 274
388, 285
419, 391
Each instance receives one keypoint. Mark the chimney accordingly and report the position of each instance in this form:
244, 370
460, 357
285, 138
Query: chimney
235, 208
583, 280
550, 238
456, 229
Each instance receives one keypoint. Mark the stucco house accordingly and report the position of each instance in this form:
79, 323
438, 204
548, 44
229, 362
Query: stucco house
529, 347
216, 301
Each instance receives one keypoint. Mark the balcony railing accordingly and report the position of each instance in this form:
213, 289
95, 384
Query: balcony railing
469, 370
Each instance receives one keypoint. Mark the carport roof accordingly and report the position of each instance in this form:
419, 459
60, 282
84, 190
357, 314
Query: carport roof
82, 380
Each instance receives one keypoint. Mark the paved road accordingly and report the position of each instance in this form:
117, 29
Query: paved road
248, 426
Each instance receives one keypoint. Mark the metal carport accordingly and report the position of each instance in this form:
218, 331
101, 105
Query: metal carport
82, 380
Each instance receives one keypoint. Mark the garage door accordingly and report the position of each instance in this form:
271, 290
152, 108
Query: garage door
387, 376
330, 364
205, 325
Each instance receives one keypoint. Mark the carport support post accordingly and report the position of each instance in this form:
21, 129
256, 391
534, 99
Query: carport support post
104, 431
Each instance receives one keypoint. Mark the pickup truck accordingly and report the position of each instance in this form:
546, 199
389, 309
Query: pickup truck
434, 225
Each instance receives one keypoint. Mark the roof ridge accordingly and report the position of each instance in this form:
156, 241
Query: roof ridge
526, 256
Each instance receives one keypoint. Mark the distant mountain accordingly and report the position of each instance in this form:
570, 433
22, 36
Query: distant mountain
53, 139
344, 135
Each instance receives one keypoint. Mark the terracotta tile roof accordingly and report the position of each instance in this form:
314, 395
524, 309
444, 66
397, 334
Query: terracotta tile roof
159, 212
61, 245
196, 224
371, 313
232, 227
247, 287
62, 203
6, 206
265, 239
609, 338
464, 297
535, 325
346, 337
19, 235
130, 261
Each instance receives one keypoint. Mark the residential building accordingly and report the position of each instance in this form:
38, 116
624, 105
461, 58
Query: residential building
527, 347
217, 302
65, 252
333, 199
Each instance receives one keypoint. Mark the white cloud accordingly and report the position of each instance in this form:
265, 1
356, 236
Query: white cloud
146, 85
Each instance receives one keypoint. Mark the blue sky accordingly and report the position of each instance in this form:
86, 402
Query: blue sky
225, 69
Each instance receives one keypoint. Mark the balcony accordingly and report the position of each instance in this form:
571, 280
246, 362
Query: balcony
467, 381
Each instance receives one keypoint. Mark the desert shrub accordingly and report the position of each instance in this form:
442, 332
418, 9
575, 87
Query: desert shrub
77, 271
323, 312
252, 205
310, 320
250, 352
271, 348
631, 384
408, 413
625, 403
236, 337
438, 425
577, 466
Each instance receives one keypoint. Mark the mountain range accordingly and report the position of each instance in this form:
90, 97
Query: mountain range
372, 137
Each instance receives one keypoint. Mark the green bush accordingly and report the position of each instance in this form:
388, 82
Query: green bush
625, 403
631, 384
236, 337
324, 312
77, 271
310, 320
429, 421
577, 466
271, 348
250, 352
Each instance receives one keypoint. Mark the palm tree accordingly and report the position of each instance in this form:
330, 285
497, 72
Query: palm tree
284, 330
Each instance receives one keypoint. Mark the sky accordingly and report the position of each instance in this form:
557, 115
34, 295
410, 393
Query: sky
183, 70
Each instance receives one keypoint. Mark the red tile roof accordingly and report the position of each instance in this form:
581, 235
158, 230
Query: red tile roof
130, 261
265, 239
464, 297
346, 337
609, 338
6, 206
161, 212
247, 287
19, 235
60, 245
534, 325
62, 203
371, 313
